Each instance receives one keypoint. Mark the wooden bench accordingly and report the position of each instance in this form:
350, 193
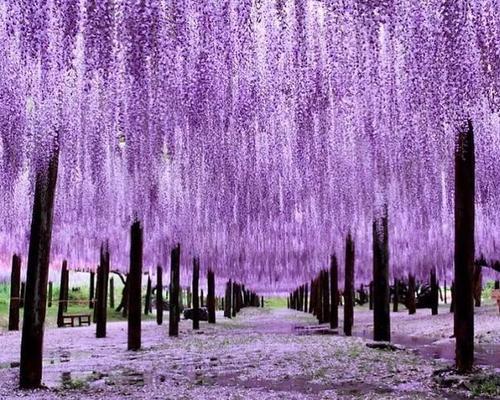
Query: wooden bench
69, 319
495, 295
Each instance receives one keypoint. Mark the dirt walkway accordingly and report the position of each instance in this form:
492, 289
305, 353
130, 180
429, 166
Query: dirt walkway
258, 355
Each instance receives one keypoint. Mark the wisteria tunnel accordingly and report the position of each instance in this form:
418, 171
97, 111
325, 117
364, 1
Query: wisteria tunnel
250, 199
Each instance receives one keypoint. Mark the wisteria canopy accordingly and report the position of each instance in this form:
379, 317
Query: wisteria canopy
255, 133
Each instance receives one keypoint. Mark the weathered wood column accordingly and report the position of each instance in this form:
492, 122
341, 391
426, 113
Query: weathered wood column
159, 295
306, 295
111, 293
135, 287
196, 295
395, 303
175, 260
412, 304
15, 282
325, 295
202, 299
233, 299
370, 295
147, 300
30, 374
22, 295
381, 294
49, 303
211, 296
478, 284
91, 289
334, 289
227, 300
349, 286
434, 292
464, 248
102, 293
62, 294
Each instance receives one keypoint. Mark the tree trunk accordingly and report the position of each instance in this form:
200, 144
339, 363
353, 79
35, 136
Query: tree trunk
306, 297
211, 297
159, 295
50, 294
349, 286
196, 291
227, 300
434, 292
381, 314
15, 281
370, 295
412, 304
22, 295
173, 327
102, 293
30, 374
396, 296
111, 293
135, 287
464, 248
62, 294
233, 299
91, 289
147, 300
334, 288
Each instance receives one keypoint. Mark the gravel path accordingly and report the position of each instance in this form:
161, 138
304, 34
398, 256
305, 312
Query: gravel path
258, 355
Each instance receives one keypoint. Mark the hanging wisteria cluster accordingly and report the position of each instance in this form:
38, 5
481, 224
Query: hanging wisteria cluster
256, 133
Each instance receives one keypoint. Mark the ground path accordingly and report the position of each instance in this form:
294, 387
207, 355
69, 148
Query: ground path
259, 355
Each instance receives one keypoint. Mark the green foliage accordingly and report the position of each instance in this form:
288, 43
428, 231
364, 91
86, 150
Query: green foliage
486, 386
275, 302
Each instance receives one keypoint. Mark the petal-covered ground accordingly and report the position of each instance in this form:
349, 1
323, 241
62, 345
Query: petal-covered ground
261, 354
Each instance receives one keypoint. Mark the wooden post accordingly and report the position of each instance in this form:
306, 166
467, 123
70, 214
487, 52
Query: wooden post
233, 299
21, 296
202, 299
159, 295
111, 293
91, 289
211, 297
66, 292
62, 294
94, 313
434, 292
227, 300
381, 314
464, 248
452, 292
334, 289
102, 293
478, 285
50, 294
396, 296
412, 304
30, 374
134, 287
325, 292
445, 293
15, 280
306, 295
349, 286
370, 296
189, 297
311, 297
196, 291
175, 256
147, 300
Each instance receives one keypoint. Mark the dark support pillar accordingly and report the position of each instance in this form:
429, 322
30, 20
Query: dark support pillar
412, 304
445, 293
233, 299
66, 292
227, 300
62, 293
396, 296
196, 291
175, 259
306, 296
49, 304
334, 289
478, 285
311, 297
91, 289
189, 297
349, 286
102, 293
452, 292
464, 248
147, 300
134, 287
30, 374
434, 292
381, 314
211, 297
159, 295
202, 299
111, 293
21, 296
262, 302
15, 281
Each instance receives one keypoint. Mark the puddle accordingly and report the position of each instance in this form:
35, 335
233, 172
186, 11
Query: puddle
484, 354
